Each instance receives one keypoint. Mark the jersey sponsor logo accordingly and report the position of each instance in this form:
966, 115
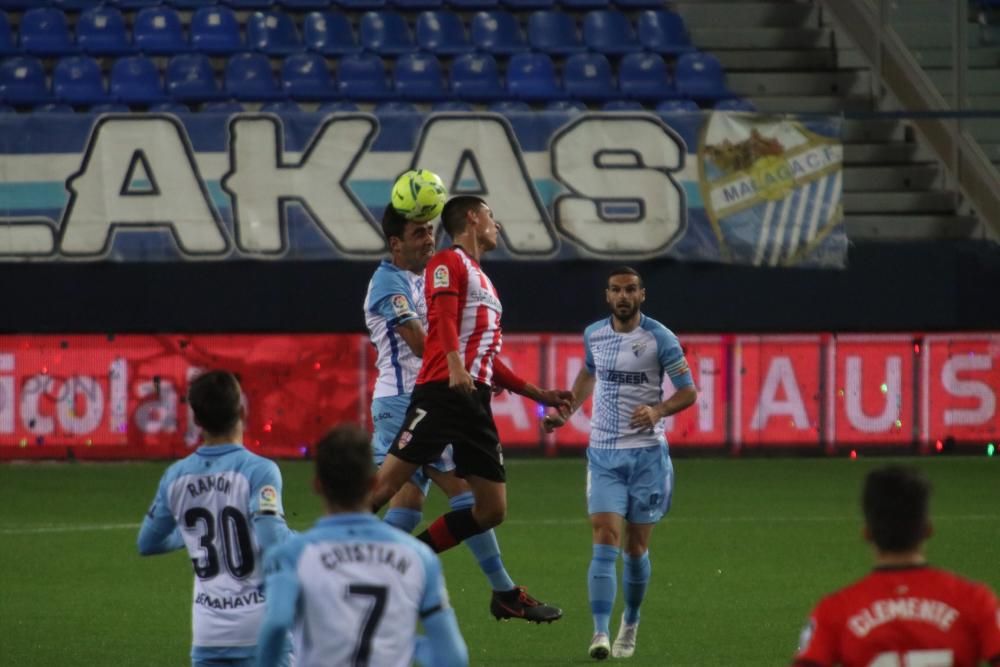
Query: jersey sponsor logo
269, 499
881, 612
625, 377
441, 277
400, 306
234, 602
486, 299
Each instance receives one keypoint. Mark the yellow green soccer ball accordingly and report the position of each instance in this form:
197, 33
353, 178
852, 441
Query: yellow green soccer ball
419, 195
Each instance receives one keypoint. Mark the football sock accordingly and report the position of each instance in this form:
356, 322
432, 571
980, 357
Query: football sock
602, 584
635, 578
485, 548
450, 529
404, 519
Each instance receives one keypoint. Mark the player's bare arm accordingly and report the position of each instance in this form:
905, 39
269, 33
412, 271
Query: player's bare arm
413, 334
646, 416
583, 387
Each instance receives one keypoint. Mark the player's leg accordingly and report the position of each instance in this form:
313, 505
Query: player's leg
607, 503
406, 506
488, 510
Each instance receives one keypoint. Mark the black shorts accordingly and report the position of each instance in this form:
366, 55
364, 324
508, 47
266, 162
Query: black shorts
439, 416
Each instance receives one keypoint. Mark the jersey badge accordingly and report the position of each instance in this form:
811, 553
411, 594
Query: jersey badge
400, 306
637, 348
269, 499
441, 277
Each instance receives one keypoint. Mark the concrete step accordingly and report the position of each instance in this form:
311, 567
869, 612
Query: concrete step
814, 104
977, 81
901, 178
748, 14
982, 103
985, 130
932, 34
751, 60
869, 130
880, 153
764, 38
935, 201
992, 150
979, 58
911, 226
852, 83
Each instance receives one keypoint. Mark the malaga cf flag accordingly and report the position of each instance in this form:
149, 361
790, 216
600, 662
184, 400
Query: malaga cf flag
712, 186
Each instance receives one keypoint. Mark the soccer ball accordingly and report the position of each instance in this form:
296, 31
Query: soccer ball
419, 195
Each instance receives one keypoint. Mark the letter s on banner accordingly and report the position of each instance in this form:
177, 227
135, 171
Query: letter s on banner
624, 200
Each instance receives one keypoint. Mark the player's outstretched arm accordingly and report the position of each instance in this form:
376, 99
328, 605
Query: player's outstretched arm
505, 378
443, 645
583, 387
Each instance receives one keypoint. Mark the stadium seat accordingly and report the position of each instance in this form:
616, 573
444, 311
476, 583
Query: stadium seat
225, 106
609, 31
554, 32
677, 106
305, 5
169, 107
73, 5
587, 76
22, 81
273, 33
281, 106
136, 80
189, 78
329, 33
78, 80
418, 76
476, 77
340, 106
532, 77
45, 32
632, 5
109, 107
8, 40
249, 77
644, 76
700, 76
52, 107
622, 105
362, 77
158, 31
663, 31
735, 104
508, 107
443, 33
192, 4
416, 5
249, 4
450, 105
215, 30
305, 76
524, 5
578, 5
474, 5
360, 5
385, 33
394, 108
136, 4
17, 4
565, 106
497, 32
101, 31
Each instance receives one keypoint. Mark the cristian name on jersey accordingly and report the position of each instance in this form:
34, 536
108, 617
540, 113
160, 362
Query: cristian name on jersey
629, 369
394, 296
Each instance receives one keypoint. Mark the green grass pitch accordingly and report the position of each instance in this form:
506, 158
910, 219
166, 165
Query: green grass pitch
747, 549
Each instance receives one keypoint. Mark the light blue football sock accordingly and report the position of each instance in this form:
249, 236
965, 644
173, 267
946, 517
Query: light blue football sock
602, 585
635, 578
404, 519
485, 548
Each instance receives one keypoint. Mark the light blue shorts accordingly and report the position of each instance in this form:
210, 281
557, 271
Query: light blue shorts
635, 483
387, 416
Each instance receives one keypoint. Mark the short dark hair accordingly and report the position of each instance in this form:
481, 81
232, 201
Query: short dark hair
345, 465
895, 502
453, 216
625, 271
393, 223
214, 397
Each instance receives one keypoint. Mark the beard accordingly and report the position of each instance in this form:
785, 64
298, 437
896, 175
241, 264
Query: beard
624, 313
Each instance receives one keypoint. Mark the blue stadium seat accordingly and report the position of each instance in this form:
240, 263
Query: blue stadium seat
273, 33
677, 106
497, 32
189, 78
385, 33
78, 80
419, 76
565, 106
443, 33
8, 40
473, 5
158, 31
362, 77
109, 107
53, 108
663, 31
305, 76
622, 105
644, 76
249, 78
329, 33
223, 106
136, 80
101, 31
450, 105
169, 107
17, 4
416, 5
632, 5
340, 106
281, 106
73, 5
192, 4
735, 104
45, 32
304, 5
532, 77
136, 4
394, 107
22, 81
700, 76
524, 5
587, 76
249, 4
578, 5
476, 77
215, 30
508, 107
554, 32
361, 5
609, 31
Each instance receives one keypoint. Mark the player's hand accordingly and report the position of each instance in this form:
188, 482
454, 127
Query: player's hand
645, 416
552, 421
460, 381
560, 399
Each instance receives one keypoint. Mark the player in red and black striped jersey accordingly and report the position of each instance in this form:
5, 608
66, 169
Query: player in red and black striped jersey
905, 613
450, 403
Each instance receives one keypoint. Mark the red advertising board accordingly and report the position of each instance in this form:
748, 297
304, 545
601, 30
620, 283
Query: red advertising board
960, 388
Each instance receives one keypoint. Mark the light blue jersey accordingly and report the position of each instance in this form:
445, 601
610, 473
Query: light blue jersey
353, 589
223, 504
629, 369
394, 296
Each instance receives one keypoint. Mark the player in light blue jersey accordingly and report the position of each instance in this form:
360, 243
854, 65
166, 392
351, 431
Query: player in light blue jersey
396, 316
629, 474
223, 504
352, 587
